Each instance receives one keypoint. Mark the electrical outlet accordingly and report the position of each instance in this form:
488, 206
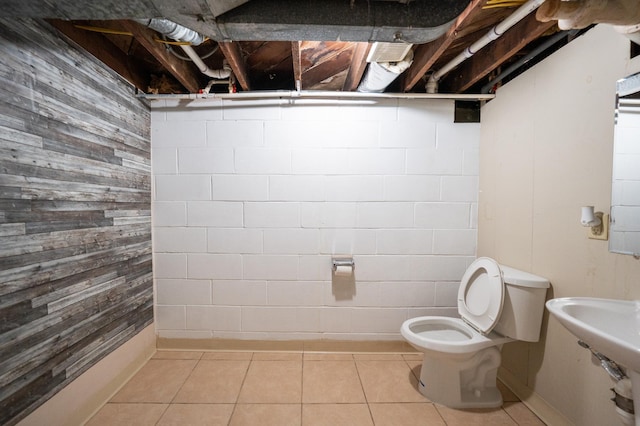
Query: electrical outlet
600, 232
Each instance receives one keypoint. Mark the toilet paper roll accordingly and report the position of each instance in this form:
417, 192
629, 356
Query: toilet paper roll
343, 271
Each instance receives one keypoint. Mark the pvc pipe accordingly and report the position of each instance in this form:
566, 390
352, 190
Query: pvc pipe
493, 34
180, 33
225, 72
318, 94
173, 30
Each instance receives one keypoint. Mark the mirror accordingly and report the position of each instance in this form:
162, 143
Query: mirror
624, 234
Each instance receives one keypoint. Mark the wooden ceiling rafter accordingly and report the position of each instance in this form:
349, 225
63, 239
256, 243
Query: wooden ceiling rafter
495, 54
426, 55
181, 70
358, 66
297, 64
104, 50
233, 54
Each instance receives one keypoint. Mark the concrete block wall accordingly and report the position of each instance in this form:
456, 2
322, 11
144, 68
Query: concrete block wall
252, 199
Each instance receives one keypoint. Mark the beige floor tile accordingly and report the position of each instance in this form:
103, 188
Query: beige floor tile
177, 355
326, 356
521, 414
272, 382
475, 417
127, 415
331, 381
277, 356
213, 382
196, 415
158, 381
415, 367
388, 381
406, 414
227, 355
336, 415
266, 415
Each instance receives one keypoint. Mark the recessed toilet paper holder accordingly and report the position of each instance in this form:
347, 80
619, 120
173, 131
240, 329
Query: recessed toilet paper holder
342, 261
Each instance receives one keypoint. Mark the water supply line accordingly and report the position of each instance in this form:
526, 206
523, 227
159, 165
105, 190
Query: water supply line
180, 33
623, 393
493, 34
609, 365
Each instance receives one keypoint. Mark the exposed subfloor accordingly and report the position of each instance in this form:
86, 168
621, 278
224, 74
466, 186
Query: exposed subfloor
285, 388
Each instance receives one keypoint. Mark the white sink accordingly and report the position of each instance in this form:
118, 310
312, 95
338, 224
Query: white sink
609, 326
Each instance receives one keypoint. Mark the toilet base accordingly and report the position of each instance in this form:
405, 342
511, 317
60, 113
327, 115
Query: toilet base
462, 380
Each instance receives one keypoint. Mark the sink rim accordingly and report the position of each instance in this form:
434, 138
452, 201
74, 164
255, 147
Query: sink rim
614, 347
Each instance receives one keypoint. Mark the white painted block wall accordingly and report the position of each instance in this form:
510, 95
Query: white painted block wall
252, 199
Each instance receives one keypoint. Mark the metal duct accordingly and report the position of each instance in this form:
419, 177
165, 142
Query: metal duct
415, 21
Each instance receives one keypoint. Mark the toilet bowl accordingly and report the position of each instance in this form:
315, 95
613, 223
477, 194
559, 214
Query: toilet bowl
497, 304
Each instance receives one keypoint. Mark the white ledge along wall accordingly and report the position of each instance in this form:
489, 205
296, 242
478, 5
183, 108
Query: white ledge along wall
252, 199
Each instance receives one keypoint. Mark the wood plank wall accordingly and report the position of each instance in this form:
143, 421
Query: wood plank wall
75, 223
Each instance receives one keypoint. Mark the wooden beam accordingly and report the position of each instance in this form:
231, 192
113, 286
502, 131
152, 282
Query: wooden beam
181, 70
492, 56
231, 51
107, 52
297, 64
358, 65
427, 54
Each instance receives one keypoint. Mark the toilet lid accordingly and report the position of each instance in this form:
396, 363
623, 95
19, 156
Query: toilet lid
481, 294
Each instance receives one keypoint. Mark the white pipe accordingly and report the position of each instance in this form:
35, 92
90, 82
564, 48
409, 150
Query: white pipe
493, 34
225, 72
180, 33
319, 94
173, 30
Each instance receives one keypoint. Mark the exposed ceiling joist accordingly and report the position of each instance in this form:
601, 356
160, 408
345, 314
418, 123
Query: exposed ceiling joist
358, 65
495, 54
233, 54
104, 50
297, 64
181, 70
427, 54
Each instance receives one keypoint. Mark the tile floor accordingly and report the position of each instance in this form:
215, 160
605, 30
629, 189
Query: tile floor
278, 388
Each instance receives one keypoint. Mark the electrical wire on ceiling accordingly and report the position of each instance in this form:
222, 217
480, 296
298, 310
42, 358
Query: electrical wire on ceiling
494, 4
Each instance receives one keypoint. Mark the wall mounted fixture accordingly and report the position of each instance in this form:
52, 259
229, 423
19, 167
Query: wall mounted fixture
597, 222
343, 266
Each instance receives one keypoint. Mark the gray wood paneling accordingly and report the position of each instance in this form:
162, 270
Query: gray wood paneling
75, 216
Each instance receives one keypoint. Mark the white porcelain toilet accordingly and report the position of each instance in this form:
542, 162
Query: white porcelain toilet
498, 304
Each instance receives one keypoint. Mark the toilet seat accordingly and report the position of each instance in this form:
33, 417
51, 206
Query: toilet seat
447, 335
481, 295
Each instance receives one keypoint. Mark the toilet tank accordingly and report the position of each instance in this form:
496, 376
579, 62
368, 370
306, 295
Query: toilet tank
523, 306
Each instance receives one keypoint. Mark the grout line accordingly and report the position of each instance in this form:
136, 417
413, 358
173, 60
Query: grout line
246, 373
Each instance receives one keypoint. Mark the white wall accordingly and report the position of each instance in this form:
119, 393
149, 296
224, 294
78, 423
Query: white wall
547, 148
251, 199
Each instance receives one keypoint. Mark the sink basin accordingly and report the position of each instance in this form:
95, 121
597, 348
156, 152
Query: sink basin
609, 326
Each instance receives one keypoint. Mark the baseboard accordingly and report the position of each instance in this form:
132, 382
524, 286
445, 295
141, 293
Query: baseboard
545, 411
284, 345
83, 397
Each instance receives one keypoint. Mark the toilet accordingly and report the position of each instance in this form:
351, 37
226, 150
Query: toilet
497, 305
